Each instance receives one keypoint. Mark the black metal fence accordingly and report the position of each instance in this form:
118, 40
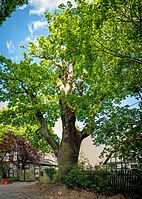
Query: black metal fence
121, 178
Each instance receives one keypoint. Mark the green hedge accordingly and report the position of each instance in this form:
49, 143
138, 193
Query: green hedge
102, 180
80, 178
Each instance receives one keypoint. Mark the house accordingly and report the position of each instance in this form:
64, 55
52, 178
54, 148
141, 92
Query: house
46, 160
33, 171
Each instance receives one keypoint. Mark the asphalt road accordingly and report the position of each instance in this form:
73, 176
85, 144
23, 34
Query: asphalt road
17, 190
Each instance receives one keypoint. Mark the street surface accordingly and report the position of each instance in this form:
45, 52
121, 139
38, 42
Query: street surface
16, 190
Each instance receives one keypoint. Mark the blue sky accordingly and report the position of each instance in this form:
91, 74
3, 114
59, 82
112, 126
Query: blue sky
24, 25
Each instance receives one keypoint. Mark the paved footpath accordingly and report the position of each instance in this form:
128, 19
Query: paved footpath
16, 190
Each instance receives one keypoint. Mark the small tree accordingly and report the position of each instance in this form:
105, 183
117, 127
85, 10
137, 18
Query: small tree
123, 133
18, 149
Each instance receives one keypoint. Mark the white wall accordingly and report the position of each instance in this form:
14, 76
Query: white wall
90, 152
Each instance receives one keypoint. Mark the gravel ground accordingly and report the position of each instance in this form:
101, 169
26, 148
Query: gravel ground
34, 190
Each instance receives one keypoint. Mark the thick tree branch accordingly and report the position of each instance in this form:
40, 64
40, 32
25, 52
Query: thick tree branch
60, 85
68, 78
101, 99
39, 129
62, 103
73, 86
44, 129
81, 87
85, 135
86, 131
67, 75
46, 133
70, 72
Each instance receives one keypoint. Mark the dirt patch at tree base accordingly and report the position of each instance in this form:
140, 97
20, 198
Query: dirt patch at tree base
59, 191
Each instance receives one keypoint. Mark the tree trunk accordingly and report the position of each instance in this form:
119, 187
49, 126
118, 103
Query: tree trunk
70, 145
68, 151
68, 155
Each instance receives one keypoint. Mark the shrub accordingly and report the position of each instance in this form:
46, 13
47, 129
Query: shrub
102, 180
78, 177
51, 172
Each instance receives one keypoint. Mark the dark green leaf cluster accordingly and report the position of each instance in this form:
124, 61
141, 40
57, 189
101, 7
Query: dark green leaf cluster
51, 172
7, 7
4, 167
85, 179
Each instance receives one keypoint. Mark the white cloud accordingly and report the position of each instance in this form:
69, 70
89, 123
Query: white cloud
31, 38
27, 39
39, 11
36, 25
39, 24
3, 105
30, 28
42, 5
10, 47
22, 7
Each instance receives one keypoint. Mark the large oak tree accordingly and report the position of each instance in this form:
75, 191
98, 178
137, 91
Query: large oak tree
80, 68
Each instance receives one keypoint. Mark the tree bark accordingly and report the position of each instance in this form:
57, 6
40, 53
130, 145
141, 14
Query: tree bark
68, 154
46, 133
70, 145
